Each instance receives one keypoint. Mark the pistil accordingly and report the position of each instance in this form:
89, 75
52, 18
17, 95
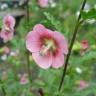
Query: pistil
48, 47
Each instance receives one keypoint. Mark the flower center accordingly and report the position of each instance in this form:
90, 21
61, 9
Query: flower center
7, 28
48, 46
7, 23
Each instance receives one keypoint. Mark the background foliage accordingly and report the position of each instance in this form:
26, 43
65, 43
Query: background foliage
61, 18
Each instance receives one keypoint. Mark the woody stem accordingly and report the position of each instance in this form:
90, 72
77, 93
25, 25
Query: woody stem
71, 46
27, 53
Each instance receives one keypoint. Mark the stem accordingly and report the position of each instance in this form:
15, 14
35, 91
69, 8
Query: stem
28, 61
71, 45
27, 9
28, 67
15, 72
3, 89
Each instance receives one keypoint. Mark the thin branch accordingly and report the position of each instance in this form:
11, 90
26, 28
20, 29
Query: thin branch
27, 53
28, 66
71, 45
27, 9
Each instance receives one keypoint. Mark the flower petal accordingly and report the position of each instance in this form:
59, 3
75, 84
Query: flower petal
39, 28
62, 42
6, 36
33, 36
42, 61
10, 19
42, 31
58, 60
33, 46
43, 3
33, 42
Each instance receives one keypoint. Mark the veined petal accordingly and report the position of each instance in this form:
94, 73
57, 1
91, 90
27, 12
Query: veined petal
42, 31
33, 36
10, 19
42, 61
61, 41
33, 42
6, 36
39, 28
33, 46
57, 60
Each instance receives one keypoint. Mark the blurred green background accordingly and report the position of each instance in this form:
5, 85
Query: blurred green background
62, 18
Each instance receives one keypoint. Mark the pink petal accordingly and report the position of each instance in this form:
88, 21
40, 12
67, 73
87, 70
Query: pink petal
85, 44
32, 42
6, 36
10, 19
58, 60
24, 80
43, 3
6, 50
42, 31
33, 36
83, 84
62, 42
33, 46
39, 28
42, 61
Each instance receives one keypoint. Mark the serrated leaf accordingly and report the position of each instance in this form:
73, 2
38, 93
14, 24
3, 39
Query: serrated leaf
91, 14
56, 24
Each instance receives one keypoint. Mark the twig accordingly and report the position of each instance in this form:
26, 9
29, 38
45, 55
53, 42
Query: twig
28, 66
27, 9
71, 45
27, 53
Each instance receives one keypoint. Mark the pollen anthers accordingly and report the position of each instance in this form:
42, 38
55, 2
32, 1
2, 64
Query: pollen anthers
7, 23
7, 28
48, 46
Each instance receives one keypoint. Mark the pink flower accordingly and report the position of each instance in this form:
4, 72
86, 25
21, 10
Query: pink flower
6, 50
24, 79
43, 3
82, 84
47, 47
14, 53
9, 21
6, 35
85, 44
7, 31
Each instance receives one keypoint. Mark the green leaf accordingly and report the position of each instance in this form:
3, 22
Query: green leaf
56, 23
91, 14
0, 22
77, 46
